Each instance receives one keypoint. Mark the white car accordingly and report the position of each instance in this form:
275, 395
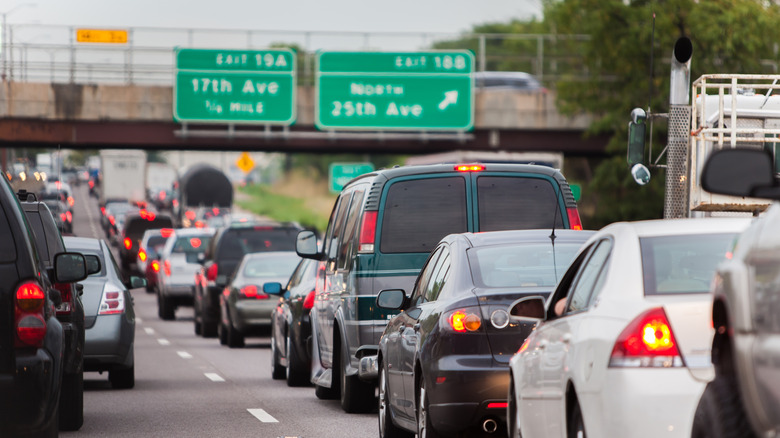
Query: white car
622, 347
178, 264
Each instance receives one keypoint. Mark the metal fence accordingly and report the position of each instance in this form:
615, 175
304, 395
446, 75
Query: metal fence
48, 53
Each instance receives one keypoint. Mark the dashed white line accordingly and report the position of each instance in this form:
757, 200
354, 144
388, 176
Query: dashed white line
164, 341
263, 416
184, 355
149, 330
139, 320
214, 377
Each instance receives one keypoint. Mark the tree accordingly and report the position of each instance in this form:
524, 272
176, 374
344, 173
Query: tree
729, 36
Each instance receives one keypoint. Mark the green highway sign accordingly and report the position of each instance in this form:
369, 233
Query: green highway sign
395, 90
235, 86
341, 173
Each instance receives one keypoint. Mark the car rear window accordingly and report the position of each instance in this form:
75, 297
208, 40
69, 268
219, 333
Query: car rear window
271, 267
419, 212
521, 265
34, 218
191, 244
136, 227
682, 264
235, 243
517, 203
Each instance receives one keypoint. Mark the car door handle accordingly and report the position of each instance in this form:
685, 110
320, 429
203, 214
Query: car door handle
542, 344
416, 327
566, 338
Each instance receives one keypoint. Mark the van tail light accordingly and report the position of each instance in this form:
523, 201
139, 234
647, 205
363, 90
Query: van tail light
63, 217
199, 224
166, 232
65, 289
112, 220
156, 266
308, 302
251, 291
211, 272
367, 232
103, 210
574, 218
470, 167
189, 214
29, 315
69, 216
647, 342
167, 268
142, 254
71, 201
112, 302
128, 243
463, 320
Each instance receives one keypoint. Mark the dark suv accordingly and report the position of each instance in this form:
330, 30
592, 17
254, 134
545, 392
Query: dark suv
221, 258
31, 337
382, 229
133, 230
70, 312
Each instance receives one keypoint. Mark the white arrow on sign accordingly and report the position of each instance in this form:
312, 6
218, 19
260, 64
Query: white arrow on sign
450, 97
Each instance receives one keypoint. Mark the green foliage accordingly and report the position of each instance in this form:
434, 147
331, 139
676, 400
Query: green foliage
281, 208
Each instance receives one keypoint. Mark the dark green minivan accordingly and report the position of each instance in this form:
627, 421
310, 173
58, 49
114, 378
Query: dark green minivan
384, 225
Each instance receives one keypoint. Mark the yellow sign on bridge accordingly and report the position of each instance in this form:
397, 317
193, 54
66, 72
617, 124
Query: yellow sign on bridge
101, 36
245, 163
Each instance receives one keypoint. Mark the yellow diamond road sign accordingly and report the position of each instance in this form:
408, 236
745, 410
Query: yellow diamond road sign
245, 163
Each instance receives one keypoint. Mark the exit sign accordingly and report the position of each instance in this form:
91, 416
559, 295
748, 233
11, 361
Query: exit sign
342, 173
235, 86
430, 90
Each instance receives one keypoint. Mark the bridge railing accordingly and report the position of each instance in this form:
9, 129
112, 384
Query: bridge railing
49, 53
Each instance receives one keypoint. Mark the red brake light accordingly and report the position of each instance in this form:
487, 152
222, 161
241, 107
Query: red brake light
70, 201
148, 215
65, 293
189, 214
167, 268
211, 273
215, 210
112, 302
103, 210
166, 232
648, 341
463, 321
251, 291
30, 325
63, 217
199, 224
162, 195
195, 242
497, 405
29, 297
308, 302
470, 167
367, 232
128, 243
91, 184
574, 218
112, 220
69, 216
142, 255
156, 266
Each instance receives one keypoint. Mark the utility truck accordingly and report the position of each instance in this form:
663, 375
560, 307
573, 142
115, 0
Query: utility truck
124, 175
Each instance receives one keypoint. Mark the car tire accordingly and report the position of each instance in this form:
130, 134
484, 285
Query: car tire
149, 287
386, 427
324, 393
72, 401
165, 309
357, 396
122, 378
725, 412
196, 318
575, 425
424, 425
278, 372
209, 329
234, 338
222, 334
513, 429
297, 372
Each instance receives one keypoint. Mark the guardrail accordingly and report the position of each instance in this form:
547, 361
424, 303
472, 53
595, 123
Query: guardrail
38, 53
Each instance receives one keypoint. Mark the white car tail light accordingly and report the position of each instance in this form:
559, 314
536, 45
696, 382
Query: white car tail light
647, 342
112, 302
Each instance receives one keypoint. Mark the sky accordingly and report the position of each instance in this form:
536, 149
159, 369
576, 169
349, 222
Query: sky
435, 16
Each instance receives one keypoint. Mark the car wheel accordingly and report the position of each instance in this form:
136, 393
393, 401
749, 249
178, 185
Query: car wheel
222, 333
165, 309
512, 425
72, 401
297, 372
277, 371
234, 338
386, 427
424, 426
122, 378
324, 393
723, 407
196, 318
356, 395
149, 287
575, 426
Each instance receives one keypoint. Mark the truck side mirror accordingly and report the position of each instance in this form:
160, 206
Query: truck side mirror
636, 136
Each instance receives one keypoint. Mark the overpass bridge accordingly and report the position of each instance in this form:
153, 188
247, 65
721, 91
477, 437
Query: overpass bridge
86, 96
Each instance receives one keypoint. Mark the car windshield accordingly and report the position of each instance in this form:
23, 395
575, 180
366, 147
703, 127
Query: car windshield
280, 265
521, 265
682, 264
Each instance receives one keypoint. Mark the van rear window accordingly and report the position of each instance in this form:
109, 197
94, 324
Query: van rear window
418, 213
517, 203
138, 226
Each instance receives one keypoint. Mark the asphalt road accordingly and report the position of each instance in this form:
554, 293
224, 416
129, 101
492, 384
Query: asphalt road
188, 386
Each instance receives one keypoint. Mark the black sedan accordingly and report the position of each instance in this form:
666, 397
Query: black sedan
443, 361
291, 325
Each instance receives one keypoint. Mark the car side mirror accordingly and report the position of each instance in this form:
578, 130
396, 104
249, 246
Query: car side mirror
93, 264
527, 309
80, 289
306, 245
272, 288
136, 282
636, 136
740, 172
69, 267
392, 299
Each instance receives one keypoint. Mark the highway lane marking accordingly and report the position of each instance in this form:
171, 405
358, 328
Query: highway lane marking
263, 416
184, 355
149, 330
139, 320
91, 222
164, 341
214, 377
